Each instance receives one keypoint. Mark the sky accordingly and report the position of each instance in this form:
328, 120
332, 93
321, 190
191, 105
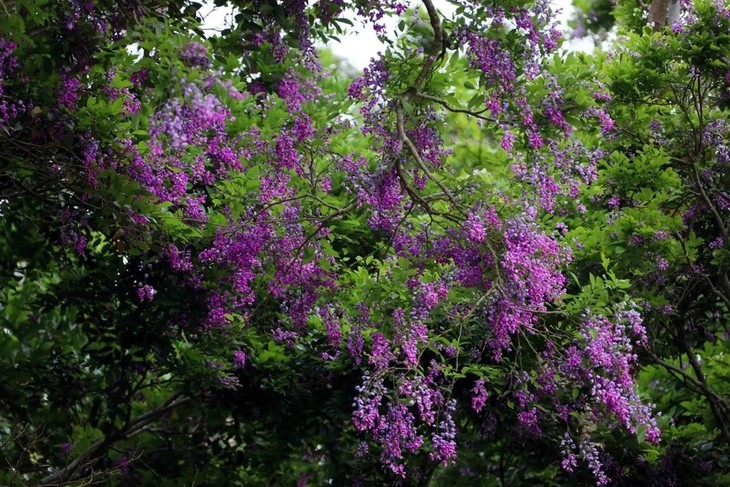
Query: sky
359, 46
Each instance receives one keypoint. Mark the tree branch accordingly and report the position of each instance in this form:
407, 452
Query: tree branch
417, 156
437, 47
658, 14
448, 107
133, 428
718, 405
708, 202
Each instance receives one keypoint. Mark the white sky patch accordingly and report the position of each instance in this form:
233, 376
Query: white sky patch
215, 19
359, 44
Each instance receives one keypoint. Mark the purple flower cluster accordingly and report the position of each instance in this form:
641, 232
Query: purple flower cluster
715, 136
382, 191
145, 293
591, 455
236, 252
239, 359
531, 278
479, 396
190, 121
395, 423
67, 448
599, 367
444, 439
195, 54
68, 92
132, 104
374, 12
10, 108
528, 421
604, 119
381, 354
8, 62
567, 447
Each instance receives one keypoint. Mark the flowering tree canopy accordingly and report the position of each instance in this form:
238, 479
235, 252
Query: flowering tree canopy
226, 259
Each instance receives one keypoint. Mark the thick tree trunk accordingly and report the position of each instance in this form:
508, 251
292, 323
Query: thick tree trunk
658, 14
673, 12
663, 12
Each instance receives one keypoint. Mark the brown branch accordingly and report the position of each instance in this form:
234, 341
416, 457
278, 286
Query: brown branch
417, 156
322, 223
411, 192
658, 14
684, 375
708, 202
134, 427
438, 46
5, 8
718, 405
418, 198
448, 107
725, 284
725, 299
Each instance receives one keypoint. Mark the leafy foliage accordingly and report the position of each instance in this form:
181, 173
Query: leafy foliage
225, 261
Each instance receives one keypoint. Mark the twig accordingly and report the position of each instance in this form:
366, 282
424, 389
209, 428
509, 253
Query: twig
418, 198
448, 107
5, 8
